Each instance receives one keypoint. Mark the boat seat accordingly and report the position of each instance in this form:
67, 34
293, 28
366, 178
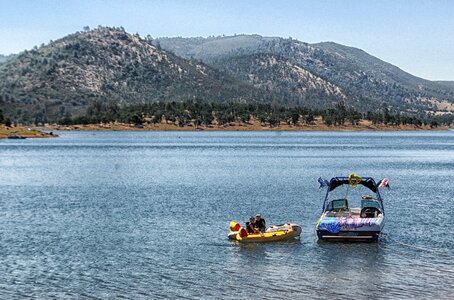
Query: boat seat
370, 212
355, 211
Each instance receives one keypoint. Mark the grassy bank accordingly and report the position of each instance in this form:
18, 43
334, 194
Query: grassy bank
26, 132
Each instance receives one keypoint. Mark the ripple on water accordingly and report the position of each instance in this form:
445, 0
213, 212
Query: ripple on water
145, 215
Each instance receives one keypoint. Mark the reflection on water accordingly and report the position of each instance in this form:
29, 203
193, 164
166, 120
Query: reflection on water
145, 215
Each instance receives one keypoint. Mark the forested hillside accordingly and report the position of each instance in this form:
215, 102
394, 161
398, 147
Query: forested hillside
108, 65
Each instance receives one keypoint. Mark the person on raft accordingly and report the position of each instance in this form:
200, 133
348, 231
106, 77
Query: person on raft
260, 223
250, 226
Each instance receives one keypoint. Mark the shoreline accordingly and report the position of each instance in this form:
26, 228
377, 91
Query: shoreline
251, 126
21, 132
363, 125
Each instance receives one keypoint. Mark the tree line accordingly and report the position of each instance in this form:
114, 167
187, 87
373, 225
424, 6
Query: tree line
5, 120
200, 113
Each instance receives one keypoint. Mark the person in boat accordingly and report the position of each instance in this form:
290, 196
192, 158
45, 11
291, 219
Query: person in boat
260, 223
250, 226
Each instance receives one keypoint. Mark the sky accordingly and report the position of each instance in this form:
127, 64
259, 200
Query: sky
417, 36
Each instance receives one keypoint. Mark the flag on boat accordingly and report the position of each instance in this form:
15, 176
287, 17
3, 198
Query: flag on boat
323, 182
383, 183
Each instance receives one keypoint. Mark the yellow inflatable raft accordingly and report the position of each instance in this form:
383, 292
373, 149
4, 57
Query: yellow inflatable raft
277, 233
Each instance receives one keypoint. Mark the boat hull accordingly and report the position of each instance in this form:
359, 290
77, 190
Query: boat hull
268, 237
277, 233
359, 229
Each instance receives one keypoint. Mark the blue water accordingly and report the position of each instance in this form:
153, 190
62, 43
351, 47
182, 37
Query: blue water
145, 215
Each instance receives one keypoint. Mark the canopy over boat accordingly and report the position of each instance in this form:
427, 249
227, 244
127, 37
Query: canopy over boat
368, 182
352, 180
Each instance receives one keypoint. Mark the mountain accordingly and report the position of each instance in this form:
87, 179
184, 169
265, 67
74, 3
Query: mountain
448, 84
106, 64
292, 84
109, 65
4, 58
365, 81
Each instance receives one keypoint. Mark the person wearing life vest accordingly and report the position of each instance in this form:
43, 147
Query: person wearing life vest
250, 226
260, 223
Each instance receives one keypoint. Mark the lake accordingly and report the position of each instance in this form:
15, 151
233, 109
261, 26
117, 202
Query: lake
145, 215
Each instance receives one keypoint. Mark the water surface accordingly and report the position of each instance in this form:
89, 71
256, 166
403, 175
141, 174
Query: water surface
145, 215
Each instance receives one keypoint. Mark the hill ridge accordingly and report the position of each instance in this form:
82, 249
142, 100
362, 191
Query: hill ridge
363, 77
110, 65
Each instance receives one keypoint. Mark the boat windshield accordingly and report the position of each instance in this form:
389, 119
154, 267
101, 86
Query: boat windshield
338, 204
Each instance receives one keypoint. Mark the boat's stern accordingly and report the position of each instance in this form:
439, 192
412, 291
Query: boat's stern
348, 228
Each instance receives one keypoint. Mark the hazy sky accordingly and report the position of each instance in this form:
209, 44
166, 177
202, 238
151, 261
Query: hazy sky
417, 36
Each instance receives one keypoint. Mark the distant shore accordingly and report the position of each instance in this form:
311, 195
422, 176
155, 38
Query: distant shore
318, 125
23, 132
